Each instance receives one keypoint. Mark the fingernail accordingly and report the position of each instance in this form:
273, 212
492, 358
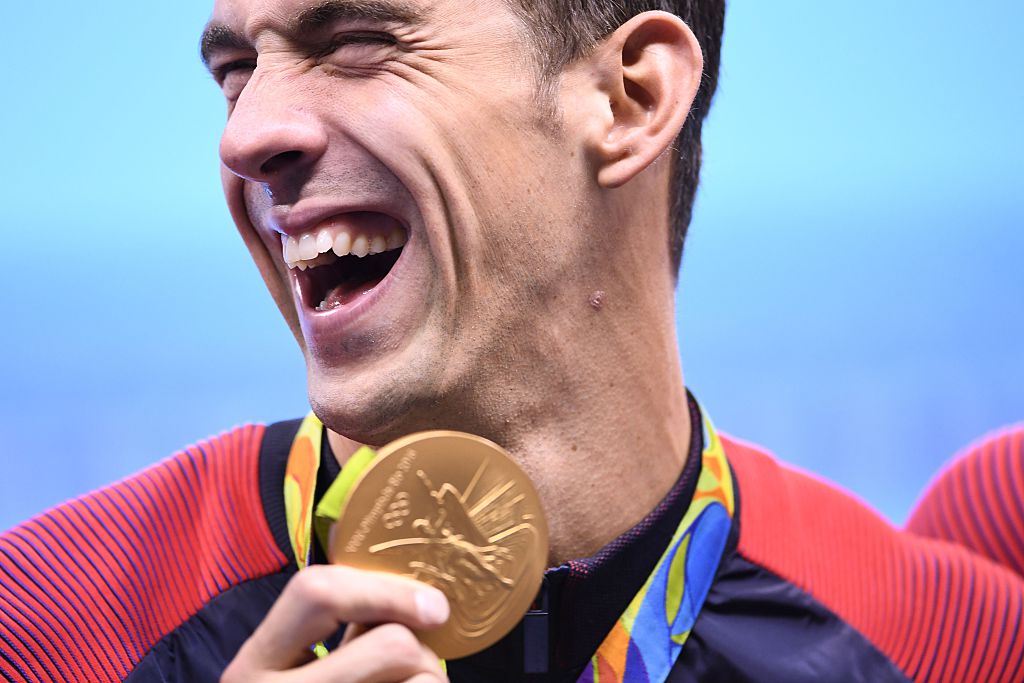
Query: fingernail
432, 606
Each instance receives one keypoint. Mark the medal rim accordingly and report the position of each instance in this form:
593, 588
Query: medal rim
440, 640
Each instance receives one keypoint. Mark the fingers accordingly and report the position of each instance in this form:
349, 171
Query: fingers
320, 598
353, 631
385, 654
426, 678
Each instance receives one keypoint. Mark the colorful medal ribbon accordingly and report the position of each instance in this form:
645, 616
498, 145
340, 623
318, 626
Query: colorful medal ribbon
300, 489
646, 641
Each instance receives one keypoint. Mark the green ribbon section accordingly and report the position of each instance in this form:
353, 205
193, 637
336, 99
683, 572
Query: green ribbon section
328, 510
332, 504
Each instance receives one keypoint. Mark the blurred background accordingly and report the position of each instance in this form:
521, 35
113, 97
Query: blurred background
851, 295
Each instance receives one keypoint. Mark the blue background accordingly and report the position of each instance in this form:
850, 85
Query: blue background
851, 295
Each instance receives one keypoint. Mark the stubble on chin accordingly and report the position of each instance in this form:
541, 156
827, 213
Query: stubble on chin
376, 406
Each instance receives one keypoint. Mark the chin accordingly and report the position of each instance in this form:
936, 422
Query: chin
378, 403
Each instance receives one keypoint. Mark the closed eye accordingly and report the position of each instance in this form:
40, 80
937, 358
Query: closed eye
233, 76
354, 39
222, 72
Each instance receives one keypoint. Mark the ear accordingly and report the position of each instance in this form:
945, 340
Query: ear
649, 70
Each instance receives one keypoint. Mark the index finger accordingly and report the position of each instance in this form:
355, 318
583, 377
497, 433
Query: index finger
320, 598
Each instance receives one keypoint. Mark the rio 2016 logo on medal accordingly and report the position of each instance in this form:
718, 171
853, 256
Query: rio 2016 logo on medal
454, 511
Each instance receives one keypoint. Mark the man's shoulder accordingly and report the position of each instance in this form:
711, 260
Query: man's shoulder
90, 586
935, 607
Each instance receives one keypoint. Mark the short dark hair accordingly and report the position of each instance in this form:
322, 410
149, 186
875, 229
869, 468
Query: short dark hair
565, 30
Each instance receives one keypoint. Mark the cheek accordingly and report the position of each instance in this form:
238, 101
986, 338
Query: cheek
500, 167
257, 205
531, 194
256, 200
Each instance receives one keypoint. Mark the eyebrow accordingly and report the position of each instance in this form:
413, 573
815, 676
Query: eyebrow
325, 13
312, 20
218, 37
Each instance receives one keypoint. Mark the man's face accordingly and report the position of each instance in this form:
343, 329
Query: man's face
412, 128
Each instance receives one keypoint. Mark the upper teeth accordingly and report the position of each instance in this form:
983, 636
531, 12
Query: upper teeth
328, 244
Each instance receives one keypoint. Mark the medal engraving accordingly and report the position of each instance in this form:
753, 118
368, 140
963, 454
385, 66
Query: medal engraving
453, 511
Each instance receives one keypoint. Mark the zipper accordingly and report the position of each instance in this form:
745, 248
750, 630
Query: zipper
537, 634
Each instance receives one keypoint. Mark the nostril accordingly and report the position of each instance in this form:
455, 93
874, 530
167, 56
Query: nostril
280, 162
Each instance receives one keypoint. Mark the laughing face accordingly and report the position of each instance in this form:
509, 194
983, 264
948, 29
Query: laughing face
418, 209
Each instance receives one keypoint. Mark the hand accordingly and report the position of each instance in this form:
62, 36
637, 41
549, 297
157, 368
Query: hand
313, 606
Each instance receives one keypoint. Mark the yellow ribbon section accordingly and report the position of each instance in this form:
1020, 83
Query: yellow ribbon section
300, 491
300, 486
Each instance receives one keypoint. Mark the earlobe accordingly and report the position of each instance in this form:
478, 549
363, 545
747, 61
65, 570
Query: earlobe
654, 66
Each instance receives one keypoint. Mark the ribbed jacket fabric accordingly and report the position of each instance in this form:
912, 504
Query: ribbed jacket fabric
88, 588
933, 606
162, 576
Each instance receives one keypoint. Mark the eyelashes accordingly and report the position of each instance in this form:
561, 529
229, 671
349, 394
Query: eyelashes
355, 38
233, 76
351, 49
222, 72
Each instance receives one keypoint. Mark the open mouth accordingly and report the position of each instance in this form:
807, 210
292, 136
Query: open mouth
344, 258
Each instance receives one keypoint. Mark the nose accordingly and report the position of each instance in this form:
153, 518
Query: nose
270, 137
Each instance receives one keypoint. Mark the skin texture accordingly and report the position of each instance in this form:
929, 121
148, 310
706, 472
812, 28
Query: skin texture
310, 609
533, 303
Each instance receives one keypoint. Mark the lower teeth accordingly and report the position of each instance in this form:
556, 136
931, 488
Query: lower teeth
324, 306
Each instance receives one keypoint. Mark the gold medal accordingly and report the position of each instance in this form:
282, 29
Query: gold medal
454, 511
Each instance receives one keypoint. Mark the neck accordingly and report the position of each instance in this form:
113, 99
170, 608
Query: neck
591, 402
605, 440
602, 471
604, 443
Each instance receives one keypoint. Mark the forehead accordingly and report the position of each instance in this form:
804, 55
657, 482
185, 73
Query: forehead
254, 16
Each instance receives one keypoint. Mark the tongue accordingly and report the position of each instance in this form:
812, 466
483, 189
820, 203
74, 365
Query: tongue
347, 292
350, 277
